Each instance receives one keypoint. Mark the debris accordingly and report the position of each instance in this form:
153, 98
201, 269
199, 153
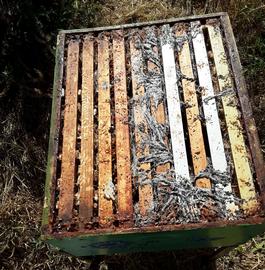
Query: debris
109, 191
221, 94
176, 201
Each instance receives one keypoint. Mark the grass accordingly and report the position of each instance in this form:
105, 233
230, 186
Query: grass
24, 123
248, 256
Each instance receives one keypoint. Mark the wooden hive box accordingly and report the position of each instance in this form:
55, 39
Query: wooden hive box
153, 145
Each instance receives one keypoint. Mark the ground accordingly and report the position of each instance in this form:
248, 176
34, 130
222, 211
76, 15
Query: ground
26, 66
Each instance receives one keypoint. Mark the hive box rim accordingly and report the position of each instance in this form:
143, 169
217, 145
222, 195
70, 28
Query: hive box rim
141, 24
161, 228
214, 237
246, 111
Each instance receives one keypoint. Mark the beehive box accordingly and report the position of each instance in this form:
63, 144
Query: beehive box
153, 145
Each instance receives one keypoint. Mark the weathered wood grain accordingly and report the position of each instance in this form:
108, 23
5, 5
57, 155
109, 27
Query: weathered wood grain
65, 206
159, 112
192, 111
123, 155
232, 118
87, 131
209, 107
174, 108
145, 191
105, 210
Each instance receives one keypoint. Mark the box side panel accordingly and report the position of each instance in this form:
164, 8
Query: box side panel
250, 125
140, 242
54, 130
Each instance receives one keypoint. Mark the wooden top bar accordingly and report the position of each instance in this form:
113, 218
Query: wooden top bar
69, 134
232, 117
145, 190
123, 154
87, 131
159, 112
192, 111
105, 184
174, 107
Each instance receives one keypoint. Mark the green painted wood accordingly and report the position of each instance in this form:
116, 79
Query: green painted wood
102, 244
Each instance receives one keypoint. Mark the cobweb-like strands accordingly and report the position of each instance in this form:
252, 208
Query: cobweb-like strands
175, 200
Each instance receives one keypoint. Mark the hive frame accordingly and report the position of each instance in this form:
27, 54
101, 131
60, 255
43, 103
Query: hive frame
241, 229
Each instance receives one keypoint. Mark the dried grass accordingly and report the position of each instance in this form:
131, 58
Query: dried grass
22, 166
138, 11
248, 256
